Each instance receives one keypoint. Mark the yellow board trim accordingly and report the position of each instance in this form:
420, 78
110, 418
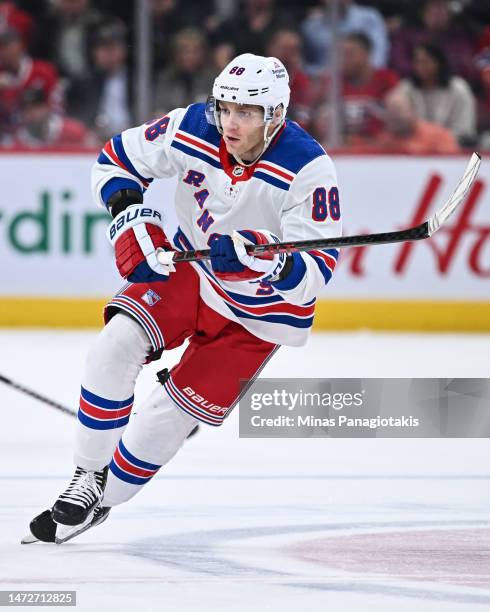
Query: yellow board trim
444, 316
457, 316
51, 312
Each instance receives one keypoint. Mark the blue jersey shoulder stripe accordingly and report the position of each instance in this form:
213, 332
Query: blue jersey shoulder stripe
293, 149
194, 122
194, 153
271, 180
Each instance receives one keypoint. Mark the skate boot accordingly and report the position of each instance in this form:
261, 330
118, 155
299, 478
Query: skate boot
84, 493
44, 529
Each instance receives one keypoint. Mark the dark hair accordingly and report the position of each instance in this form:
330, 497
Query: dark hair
360, 38
444, 72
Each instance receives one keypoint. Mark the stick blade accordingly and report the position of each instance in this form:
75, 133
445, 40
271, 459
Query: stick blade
459, 195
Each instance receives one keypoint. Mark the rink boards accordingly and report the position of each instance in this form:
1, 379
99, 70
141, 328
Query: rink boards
58, 269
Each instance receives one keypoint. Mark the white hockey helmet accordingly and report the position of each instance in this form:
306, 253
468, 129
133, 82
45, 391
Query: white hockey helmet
251, 79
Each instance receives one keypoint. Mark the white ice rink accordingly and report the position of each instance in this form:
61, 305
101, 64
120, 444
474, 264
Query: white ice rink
238, 524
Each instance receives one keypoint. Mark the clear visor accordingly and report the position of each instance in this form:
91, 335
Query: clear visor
240, 115
231, 114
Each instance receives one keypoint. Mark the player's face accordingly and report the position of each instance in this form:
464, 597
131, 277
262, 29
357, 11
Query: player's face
243, 129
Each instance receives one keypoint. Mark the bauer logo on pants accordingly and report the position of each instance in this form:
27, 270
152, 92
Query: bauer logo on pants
150, 297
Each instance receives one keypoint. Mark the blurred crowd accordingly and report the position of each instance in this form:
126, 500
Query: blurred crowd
415, 74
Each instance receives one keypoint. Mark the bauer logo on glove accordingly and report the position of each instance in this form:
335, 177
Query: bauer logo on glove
131, 216
136, 233
230, 260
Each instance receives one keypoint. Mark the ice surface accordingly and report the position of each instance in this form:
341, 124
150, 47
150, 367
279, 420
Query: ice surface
240, 524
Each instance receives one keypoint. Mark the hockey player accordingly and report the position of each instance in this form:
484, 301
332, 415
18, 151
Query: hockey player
246, 175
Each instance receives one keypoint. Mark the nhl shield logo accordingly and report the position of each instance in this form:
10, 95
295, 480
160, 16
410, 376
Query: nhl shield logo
150, 297
238, 171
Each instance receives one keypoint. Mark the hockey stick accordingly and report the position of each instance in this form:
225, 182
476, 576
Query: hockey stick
36, 395
419, 232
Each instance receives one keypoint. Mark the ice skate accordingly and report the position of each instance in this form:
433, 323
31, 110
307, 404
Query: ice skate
84, 493
43, 529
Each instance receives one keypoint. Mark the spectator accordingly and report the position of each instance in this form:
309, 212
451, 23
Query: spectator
483, 66
437, 26
439, 97
11, 17
64, 36
18, 72
406, 133
316, 30
102, 100
320, 123
222, 54
364, 87
252, 27
188, 79
40, 126
285, 44
168, 17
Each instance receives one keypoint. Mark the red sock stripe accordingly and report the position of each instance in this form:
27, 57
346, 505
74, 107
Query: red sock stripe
106, 414
130, 468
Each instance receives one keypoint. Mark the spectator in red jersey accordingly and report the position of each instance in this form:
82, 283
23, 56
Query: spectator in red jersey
364, 87
19, 72
41, 127
440, 26
13, 18
285, 44
439, 97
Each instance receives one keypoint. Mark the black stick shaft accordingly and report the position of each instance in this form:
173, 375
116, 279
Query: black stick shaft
36, 395
420, 232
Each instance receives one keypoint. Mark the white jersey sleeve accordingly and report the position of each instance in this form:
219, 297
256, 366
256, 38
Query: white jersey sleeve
311, 212
132, 159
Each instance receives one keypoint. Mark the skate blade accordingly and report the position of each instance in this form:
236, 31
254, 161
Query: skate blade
67, 532
29, 539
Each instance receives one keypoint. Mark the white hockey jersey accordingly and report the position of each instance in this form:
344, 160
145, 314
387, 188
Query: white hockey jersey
291, 191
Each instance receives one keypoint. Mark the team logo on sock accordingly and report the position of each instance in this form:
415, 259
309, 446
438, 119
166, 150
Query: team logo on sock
151, 297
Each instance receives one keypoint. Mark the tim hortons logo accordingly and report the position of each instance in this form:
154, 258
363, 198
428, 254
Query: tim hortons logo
445, 245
